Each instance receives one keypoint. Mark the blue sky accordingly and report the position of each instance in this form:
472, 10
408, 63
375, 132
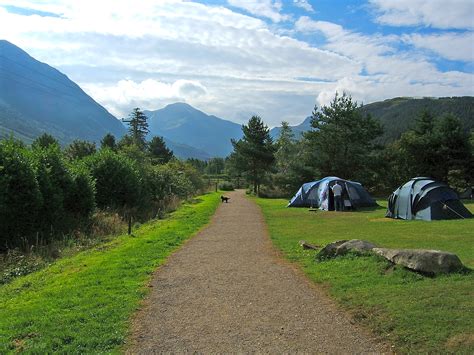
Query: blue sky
236, 58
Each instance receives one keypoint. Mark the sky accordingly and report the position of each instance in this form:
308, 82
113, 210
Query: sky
274, 58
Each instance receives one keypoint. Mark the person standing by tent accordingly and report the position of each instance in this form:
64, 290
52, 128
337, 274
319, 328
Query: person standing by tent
337, 191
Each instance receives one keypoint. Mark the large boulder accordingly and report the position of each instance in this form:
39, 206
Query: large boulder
329, 251
355, 245
421, 260
342, 247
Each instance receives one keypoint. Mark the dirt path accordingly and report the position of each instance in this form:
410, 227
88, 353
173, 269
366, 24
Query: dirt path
227, 290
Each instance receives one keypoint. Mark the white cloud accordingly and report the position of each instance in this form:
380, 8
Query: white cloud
385, 71
262, 8
147, 93
150, 53
451, 45
306, 25
304, 4
433, 13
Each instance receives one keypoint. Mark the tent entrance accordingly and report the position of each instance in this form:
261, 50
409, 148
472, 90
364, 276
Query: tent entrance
331, 206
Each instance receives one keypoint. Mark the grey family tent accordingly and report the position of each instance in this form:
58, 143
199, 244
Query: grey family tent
318, 194
468, 194
426, 199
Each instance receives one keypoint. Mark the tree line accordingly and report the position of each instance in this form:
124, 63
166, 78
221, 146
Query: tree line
346, 143
47, 192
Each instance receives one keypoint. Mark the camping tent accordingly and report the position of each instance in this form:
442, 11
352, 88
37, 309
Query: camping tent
468, 194
426, 199
319, 194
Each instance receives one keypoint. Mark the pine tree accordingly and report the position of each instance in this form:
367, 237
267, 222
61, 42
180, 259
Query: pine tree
342, 141
254, 154
108, 142
158, 151
138, 127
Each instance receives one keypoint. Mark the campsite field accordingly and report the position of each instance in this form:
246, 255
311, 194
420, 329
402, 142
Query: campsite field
83, 304
413, 312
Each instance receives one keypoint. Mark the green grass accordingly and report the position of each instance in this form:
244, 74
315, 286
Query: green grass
83, 304
412, 312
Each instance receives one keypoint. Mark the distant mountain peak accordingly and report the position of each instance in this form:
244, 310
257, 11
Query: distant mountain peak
182, 123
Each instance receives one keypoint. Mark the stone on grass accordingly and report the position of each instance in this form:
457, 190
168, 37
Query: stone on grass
306, 245
342, 247
329, 251
423, 261
355, 245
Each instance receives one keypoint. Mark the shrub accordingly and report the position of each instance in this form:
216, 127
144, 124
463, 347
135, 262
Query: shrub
20, 197
82, 195
56, 186
226, 186
117, 181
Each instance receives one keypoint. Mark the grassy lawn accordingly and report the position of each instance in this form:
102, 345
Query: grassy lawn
413, 312
83, 304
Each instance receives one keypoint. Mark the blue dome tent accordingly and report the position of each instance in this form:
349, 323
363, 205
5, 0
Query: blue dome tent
426, 199
318, 194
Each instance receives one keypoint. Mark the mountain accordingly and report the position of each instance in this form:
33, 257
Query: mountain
182, 123
185, 151
398, 114
297, 130
36, 98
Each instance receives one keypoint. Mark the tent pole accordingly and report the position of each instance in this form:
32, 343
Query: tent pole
445, 205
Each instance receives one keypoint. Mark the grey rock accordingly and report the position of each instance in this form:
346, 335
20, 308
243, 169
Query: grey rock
421, 260
306, 245
329, 251
343, 247
355, 245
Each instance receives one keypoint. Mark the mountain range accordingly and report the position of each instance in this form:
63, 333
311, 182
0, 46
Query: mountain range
181, 122
37, 98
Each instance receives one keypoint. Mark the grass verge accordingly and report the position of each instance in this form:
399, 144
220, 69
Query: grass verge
83, 304
413, 312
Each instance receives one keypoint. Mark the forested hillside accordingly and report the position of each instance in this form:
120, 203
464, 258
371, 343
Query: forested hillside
399, 114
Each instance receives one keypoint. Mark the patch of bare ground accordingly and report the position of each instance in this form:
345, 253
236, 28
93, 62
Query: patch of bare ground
228, 290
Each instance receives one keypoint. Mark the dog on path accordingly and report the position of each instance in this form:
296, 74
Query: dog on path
225, 199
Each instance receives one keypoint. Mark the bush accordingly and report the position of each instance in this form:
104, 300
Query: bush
226, 186
117, 181
56, 186
20, 197
82, 195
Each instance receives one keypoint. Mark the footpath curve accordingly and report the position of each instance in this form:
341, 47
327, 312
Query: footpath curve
228, 290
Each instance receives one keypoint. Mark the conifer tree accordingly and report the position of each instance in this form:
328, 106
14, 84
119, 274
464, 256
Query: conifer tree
254, 154
138, 127
108, 142
158, 151
342, 140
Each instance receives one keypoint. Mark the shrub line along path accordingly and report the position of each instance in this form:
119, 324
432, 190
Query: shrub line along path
228, 290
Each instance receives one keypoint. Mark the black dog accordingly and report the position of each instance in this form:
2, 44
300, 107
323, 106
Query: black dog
225, 199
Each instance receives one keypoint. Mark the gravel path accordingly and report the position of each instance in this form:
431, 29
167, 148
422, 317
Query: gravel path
227, 290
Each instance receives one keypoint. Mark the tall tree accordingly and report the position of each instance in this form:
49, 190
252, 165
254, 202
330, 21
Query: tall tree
44, 141
286, 158
285, 148
215, 166
108, 142
79, 149
138, 127
342, 140
254, 154
158, 151
434, 147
